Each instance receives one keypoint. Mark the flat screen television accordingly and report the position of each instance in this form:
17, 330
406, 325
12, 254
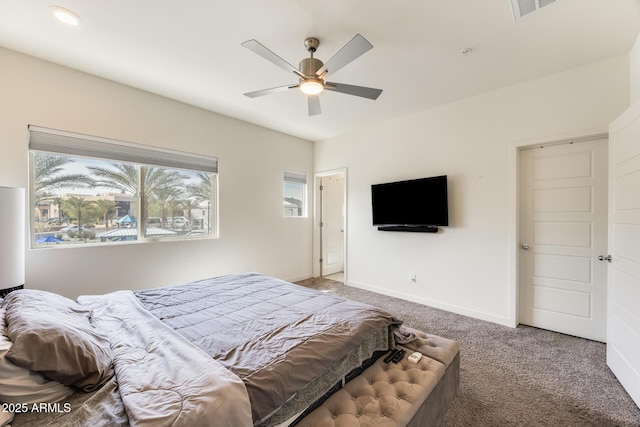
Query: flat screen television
413, 203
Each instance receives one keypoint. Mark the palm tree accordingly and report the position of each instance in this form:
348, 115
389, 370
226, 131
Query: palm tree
58, 202
124, 177
103, 209
202, 190
77, 206
165, 196
49, 174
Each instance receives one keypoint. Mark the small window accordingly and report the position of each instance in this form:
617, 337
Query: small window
295, 194
89, 190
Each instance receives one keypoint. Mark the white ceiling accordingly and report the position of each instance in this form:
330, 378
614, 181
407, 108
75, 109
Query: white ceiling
190, 50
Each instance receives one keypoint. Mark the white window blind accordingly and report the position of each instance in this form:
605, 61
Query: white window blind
73, 144
297, 177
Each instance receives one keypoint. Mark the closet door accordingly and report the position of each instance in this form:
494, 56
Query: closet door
563, 284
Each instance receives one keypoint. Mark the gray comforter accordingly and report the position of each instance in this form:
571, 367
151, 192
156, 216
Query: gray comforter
162, 378
276, 336
231, 351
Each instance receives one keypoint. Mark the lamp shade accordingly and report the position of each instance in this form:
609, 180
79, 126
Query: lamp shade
12, 237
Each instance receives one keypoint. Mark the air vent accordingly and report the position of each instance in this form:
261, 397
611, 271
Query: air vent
525, 7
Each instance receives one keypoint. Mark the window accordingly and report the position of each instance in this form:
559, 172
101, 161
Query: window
295, 192
89, 190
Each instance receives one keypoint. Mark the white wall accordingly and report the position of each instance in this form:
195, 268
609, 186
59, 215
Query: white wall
634, 69
466, 267
253, 233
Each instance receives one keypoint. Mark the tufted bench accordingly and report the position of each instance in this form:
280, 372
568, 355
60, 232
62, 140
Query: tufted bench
395, 395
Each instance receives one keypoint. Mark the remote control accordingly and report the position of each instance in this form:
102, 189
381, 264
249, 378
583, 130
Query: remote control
398, 357
391, 355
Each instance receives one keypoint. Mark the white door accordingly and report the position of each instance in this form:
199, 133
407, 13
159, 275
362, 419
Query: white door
623, 323
332, 219
563, 231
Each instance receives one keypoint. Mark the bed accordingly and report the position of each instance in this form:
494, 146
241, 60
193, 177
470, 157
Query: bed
238, 350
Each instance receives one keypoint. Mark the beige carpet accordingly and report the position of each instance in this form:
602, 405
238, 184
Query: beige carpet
515, 377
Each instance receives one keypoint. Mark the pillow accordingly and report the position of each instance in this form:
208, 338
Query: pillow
53, 335
19, 385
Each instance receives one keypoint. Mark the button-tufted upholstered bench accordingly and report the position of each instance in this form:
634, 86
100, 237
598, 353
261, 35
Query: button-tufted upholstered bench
397, 395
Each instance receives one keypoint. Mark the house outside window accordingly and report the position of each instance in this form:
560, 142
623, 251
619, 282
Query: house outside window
88, 190
295, 194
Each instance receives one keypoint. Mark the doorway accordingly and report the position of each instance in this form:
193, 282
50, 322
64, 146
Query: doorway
331, 224
563, 230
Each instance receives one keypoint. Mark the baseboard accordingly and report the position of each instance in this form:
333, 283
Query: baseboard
299, 278
436, 304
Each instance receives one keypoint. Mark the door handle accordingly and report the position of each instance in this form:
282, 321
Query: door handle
604, 258
524, 246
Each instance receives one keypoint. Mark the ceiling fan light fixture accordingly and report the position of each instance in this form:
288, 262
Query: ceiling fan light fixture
311, 86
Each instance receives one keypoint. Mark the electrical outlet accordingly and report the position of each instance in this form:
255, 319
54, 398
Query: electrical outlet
412, 278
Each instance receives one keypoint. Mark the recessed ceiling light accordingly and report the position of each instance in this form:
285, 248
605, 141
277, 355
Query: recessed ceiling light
65, 15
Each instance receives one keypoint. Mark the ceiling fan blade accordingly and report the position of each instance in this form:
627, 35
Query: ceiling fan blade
364, 92
356, 47
264, 92
314, 105
256, 47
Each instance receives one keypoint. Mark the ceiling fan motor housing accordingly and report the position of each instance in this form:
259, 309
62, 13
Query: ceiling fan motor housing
309, 66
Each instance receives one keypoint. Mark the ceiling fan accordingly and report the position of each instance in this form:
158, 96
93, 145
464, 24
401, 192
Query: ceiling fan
312, 72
